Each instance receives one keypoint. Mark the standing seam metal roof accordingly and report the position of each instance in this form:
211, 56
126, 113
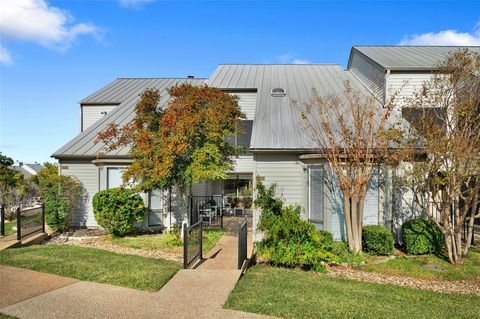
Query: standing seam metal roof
408, 57
125, 92
278, 125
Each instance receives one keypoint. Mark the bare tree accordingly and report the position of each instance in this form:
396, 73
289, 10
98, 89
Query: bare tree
445, 180
354, 132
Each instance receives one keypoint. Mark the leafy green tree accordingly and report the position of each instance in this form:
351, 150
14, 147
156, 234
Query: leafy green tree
61, 195
12, 184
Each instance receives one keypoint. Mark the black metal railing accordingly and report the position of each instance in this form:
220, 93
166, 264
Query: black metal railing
242, 243
30, 221
209, 208
2, 221
192, 244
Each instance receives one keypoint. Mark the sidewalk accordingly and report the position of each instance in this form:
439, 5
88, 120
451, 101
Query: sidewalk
192, 293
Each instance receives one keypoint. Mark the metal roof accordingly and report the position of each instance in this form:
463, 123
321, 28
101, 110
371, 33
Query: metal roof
125, 92
408, 57
278, 125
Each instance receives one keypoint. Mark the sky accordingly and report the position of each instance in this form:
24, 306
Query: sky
54, 53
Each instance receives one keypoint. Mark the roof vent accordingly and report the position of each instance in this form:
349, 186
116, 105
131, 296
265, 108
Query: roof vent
190, 77
278, 92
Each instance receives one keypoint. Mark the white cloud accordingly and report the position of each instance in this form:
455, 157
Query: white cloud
445, 37
36, 21
5, 56
288, 58
134, 3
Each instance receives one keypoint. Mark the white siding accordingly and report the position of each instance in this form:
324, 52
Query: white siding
334, 206
405, 84
247, 102
372, 75
244, 164
92, 113
284, 170
87, 174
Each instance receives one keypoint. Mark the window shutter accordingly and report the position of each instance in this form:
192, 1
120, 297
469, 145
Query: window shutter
316, 192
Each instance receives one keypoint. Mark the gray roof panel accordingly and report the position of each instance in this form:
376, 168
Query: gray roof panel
408, 57
278, 125
123, 91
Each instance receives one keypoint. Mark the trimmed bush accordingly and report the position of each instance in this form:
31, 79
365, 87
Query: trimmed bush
118, 210
421, 236
377, 240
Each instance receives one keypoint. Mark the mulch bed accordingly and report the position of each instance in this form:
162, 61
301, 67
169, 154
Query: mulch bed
459, 286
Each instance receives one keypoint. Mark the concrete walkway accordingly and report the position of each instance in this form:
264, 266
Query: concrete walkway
192, 293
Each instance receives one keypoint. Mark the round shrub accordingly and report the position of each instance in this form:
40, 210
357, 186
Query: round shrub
421, 236
117, 210
377, 240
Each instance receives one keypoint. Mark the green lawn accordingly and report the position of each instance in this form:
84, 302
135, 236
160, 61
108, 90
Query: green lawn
292, 293
167, 243
9, 225
93, 265
4, 316
414, 267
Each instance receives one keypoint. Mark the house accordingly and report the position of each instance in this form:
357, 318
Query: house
277, 148
27, 169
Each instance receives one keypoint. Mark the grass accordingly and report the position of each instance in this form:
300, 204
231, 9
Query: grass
167, 243
93, 265
293, 293
4, 316
9, 225
414, 267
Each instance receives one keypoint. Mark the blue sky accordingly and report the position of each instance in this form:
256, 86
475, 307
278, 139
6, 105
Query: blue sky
54, 53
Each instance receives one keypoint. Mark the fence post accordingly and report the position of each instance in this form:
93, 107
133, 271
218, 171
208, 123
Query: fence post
201, 237
192, 221
185, 244
43, 217
19, 224
2, 221
221, 211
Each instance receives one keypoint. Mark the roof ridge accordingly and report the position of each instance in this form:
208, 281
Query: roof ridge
299, 64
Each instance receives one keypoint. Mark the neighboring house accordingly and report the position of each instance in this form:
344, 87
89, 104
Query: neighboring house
27, 169
277, 148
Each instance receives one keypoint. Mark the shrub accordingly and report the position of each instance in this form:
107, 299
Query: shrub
288, 240
421, 236
56, 213
117, 210
377, 240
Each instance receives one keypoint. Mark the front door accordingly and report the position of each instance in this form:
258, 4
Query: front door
155, 216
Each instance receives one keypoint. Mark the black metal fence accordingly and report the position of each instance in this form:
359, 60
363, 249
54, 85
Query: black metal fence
192, 243
2, 221
30, 221
242, 243
208, 208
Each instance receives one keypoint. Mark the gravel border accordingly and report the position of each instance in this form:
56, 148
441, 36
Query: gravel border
99, 243
459, 286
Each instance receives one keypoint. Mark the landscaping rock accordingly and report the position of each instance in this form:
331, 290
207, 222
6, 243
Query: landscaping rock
460, 286
433, 267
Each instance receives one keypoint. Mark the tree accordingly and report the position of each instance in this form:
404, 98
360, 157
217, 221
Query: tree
12, 184
355, 133
183, 144
445, 175
61, 195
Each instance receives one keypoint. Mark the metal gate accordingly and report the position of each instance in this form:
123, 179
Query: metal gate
242, 243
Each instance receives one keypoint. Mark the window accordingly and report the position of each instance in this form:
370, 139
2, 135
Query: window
114, 177
278, 92
316, 192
